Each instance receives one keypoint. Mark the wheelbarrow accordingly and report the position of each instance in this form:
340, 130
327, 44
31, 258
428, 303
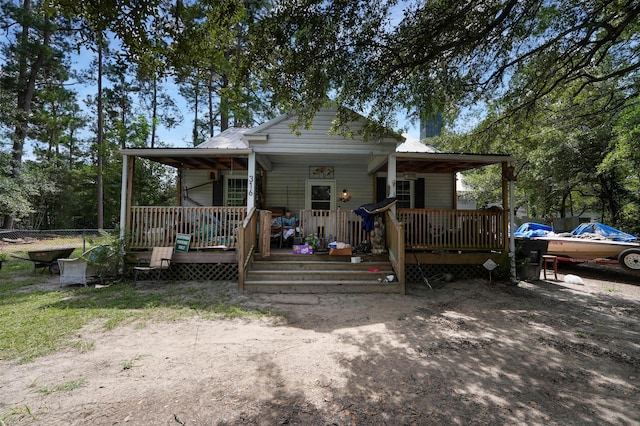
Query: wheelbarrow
47, 258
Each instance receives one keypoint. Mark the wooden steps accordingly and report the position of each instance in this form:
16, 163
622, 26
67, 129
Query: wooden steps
320, 273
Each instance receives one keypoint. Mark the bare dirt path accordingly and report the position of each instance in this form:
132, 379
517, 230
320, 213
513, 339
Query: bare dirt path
473, 352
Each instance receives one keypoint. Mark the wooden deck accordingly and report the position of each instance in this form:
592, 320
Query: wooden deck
437, 237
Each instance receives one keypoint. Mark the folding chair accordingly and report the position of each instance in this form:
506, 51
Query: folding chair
160, 260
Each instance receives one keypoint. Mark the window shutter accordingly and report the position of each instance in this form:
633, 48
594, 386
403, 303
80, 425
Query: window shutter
381, 188
419, 193
218, 193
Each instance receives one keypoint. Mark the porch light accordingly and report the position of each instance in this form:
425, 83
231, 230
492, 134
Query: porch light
409, 176
345, 196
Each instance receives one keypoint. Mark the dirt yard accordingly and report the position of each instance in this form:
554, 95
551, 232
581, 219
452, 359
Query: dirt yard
471, 353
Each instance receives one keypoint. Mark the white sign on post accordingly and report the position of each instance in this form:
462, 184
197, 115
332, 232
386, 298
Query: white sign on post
490, 265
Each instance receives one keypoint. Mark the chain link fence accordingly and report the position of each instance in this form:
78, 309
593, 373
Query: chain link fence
24, 240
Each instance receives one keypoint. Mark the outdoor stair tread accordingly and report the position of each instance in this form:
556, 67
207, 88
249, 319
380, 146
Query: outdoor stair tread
323, 265
320, 271
251, 282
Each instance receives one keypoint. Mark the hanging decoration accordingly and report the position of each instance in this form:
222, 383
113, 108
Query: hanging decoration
321, 172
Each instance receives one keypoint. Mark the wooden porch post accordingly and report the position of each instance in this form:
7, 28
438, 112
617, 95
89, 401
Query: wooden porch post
179, 187
391, 176
508, 179
251, 181
131, 174
505, 204
123, 196
126, 193
512, 223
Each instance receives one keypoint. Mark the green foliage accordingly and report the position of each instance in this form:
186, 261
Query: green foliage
554, 76
445, 54
570, 158
15, 199
313, 241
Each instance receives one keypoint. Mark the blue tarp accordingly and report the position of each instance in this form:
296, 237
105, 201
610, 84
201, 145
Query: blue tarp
368, 212
531, 229
605, 231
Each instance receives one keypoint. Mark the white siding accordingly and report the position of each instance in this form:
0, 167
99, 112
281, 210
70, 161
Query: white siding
317, 140
202, 195
286, 185
438, 191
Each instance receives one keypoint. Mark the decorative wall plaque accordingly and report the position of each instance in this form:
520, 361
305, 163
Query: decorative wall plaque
321, 172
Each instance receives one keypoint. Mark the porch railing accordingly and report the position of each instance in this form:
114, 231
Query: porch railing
208, 226
454, 229
247, 244
395, 244
424, 229
338, 225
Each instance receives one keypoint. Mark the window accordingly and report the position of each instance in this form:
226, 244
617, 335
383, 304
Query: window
236, 192
320, 194
403, 194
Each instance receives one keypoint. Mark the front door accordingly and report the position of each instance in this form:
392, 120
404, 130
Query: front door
320, 194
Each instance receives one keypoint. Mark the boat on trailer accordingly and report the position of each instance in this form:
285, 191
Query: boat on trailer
627, 254
589, 242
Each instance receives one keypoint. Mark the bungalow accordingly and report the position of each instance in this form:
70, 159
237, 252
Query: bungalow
231, 187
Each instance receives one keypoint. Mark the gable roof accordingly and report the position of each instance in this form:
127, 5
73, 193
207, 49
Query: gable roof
319, 120
231, 138
412, 144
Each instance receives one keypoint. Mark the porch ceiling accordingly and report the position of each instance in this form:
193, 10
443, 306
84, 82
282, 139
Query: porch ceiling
204, 163
444, 163
402, 165
190, 158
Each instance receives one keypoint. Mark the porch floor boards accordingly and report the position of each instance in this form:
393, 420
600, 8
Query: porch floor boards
283, 272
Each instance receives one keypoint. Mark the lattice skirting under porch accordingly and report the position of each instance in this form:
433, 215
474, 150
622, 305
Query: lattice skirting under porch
200, 272
459, 272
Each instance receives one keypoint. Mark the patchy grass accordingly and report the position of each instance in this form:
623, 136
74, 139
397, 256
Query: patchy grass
130, 363
37, 323
16, 414
63, 387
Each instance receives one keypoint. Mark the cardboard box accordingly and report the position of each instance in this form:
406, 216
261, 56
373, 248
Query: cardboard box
302, 249
340, 252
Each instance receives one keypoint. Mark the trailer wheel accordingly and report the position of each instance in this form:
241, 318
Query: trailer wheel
630, 259
54, 268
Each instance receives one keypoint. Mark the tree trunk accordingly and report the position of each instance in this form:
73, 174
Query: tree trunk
224, 105
211, 114
123, 113
195, 109
27, 83
99, 183
154, 112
